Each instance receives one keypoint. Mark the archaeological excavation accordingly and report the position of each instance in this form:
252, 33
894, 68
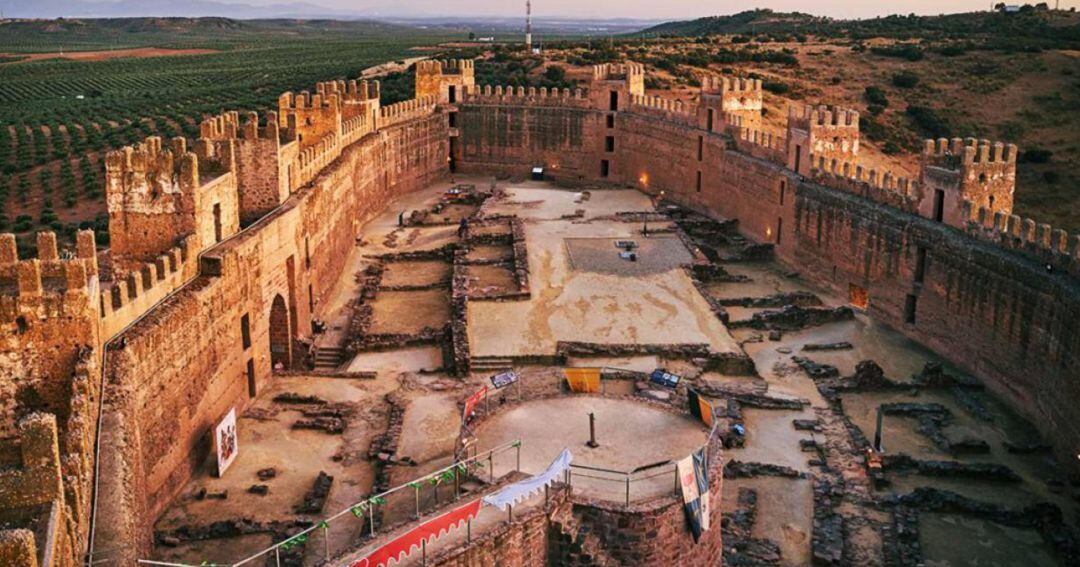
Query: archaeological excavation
498, 326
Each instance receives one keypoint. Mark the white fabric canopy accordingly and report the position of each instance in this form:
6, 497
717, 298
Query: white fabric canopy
521, 490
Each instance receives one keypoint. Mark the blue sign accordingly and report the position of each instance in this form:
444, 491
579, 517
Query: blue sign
664, 378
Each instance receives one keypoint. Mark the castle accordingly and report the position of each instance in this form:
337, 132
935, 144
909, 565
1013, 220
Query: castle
223, 248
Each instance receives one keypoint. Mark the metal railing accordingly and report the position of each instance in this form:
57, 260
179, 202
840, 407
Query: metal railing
615, 485
366, 507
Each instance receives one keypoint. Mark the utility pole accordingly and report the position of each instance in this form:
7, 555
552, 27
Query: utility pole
528, 25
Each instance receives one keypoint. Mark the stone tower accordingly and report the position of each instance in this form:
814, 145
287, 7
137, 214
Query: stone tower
157, 197
821, 137
446, 80
953, 171
731, 101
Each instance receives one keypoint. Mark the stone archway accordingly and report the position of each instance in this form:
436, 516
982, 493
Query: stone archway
280, 335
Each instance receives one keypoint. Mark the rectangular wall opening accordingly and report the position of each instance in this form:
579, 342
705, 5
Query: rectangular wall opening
699, 182
700, 147
939, 205
609, 144
920, 264
605, 168
779, 229
217, 222
610, 120
453, 94
798, 158
709, 121
783, 189
251, 377
453, 119
614, 103
245, 331
909, 308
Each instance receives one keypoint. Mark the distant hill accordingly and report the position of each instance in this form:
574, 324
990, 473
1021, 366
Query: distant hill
1029, 26
166, 8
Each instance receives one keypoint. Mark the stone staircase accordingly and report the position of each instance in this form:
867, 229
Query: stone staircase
328, 358
490, 363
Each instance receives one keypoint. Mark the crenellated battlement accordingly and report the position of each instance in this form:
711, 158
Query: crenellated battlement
758, 143
883, 187
1048, 245
446, 67
712, 84
49, 280
618, 71
135, 291
674, 110
807, 117
229, 126
526, 96
407, 110
979, 171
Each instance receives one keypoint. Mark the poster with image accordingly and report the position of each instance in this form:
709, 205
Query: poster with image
225, 442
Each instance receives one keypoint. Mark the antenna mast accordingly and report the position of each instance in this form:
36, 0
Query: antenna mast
528, 25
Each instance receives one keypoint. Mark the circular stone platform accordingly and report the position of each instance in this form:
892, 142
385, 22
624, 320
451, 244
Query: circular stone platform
630, 435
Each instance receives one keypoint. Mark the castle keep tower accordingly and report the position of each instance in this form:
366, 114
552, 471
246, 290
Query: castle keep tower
157, 197
446, 80
820, 137
731, 101
953, 171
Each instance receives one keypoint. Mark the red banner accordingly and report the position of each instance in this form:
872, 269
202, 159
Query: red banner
471, 403
400, 548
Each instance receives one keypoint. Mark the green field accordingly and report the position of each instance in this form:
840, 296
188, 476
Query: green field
59, 116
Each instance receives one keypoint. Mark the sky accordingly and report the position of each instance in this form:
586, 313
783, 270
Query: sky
659, 9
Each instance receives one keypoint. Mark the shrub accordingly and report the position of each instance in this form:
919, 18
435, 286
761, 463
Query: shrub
876, 96
928, 121
905, 79
1036, 155
775, 87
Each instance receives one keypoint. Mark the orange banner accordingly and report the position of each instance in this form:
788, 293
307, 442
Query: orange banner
584, 380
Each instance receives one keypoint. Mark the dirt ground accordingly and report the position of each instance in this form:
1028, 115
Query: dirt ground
409, 312
570, 304
111, 54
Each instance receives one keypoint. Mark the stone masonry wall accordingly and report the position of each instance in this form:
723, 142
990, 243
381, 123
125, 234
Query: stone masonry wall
179, 371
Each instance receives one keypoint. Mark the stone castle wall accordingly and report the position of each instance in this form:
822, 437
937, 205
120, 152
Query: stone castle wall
263, 213
179, 372
974, 290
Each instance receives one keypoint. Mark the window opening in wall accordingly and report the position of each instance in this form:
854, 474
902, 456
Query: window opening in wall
779, 229
783, 189
605, 168
700, 147
614, 101
251, 377
920, 264
453, 94
609, 144
21, 325
453, 120
909, 308
709, 121
699, 182
858, 297
991, 202
245, 331
610, 120
307, 253
217, 222
798, 158
310, 300
939, 205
